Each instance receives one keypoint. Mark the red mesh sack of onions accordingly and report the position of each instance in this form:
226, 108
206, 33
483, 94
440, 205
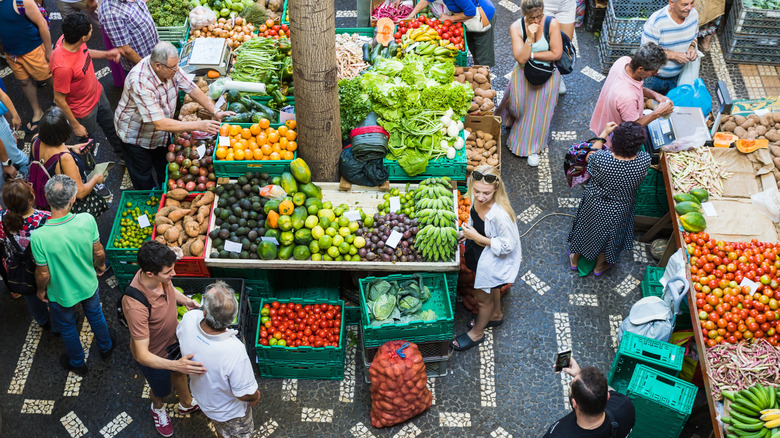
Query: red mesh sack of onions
399, 384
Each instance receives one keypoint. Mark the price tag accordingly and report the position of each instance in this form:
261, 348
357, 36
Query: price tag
467, 133
220, 102
393, 239
201, 151
752, 284
224, 141
143, 221
270, 239
761, 112
231, 246
395, 204
352, 215
709, 209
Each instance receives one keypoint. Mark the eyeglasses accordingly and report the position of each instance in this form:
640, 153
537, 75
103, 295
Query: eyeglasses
489, 178
535, 17
173, 69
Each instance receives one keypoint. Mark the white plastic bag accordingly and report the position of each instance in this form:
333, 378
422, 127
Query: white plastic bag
201, 17
439, 8
690, 71
692, 141
768, 203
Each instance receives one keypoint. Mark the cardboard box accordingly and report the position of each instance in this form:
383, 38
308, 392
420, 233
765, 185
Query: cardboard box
490, 124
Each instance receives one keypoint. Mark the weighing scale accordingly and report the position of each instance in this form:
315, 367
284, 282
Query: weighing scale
204, 54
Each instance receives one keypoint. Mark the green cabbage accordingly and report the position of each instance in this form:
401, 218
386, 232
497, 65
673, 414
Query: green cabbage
428, 315
384, 306
388, 66
377, 289
425, 295
409, 305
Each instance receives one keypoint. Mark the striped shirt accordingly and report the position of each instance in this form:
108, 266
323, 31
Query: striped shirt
664, 31
145, 100
128, 22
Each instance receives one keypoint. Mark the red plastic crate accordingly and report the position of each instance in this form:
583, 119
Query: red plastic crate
190, 266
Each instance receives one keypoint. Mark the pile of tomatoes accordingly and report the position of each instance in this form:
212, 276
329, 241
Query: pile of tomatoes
296, 325
271, 30
452, 32
730, 311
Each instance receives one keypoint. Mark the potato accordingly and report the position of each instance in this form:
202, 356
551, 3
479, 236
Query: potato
761, 130
460, 78
480, 143
487, 106
749, 123
480, 78
739, 120
458, 71
776, 117
177, 194
773, 135
776, 160
492, 161
478, 100
473, 107
490, 94
488, 137
471, 167
469, 76
776, 173
766, 120
728, 127
480, 134
740, 132
483, 71
485, 86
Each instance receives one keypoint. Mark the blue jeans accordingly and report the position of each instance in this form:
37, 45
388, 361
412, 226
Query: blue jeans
65, 321
38, 309
661, 85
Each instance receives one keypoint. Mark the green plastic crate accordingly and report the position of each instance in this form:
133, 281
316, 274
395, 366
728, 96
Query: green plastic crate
255, 304
122, 281
138, 198
651, 196
234, 169
351, 315
308, 285
662, 403
176, 35
301, 370
302, 354
124, 268
635, 350
452, 286
285, 17
462, 58
258, 289
261, 281
416, 331
455, 168
362, 31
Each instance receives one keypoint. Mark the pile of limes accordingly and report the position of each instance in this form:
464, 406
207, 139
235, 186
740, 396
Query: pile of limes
131, 235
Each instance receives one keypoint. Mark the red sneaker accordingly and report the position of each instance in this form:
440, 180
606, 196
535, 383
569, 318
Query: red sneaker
189, 410
162, 421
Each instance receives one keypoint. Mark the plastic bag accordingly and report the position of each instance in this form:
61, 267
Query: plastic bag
216, 88
273, 192
690, 71
768, 203
695, 95
693, 141
369, 173
399, 384
439, 8
201, 17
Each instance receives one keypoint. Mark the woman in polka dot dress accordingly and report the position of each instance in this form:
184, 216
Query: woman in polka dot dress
604, 225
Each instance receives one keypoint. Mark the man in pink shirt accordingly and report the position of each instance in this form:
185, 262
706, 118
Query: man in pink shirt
622, 97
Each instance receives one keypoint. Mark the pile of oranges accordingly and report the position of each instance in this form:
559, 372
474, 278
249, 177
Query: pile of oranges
258, 142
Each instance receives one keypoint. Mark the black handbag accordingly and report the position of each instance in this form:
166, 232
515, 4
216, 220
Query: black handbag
535, 72
20, 276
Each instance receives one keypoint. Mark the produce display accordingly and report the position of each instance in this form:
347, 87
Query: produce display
437, 238
383, 226
192, 111
737, 367
131, 235
445, 34
464, 209
774, 149
183, 221
275, 31
168, 14
350, 58
481, 148
388, 9
249, 110
190, 164
762, 4
260, 141
479, 79
267, 61
354, 105
696, 168
753, 126
730, 312
753, 412
399, 389
296, 325
394, 302
688, 206
236, 30
375, 50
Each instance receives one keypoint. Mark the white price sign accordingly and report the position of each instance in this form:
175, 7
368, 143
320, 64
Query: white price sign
393, 239
224, 141
143, 221
231, 246
352, 215
395, 204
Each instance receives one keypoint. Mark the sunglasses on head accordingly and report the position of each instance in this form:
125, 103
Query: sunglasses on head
489, 178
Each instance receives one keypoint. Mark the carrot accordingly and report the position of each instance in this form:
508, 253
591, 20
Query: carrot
212, 74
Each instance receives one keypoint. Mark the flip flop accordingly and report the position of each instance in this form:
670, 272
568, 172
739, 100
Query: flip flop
573, 268
496, 323
465, 342
31, 127
599, 273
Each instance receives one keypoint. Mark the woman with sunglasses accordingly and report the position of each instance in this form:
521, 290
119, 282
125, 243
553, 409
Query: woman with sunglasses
604, 225
492, 251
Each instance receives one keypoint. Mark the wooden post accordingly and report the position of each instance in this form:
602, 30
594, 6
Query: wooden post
316, 86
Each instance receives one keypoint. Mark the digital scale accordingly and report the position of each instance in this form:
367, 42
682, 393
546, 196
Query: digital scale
685, 121
204, 54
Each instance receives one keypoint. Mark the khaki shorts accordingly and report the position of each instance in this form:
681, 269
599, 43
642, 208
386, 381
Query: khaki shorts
240, 427
32, 64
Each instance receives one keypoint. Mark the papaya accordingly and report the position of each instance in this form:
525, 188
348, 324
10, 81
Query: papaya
683, 197
687, 207
272, 204
693, 222
288, 183
303, 237
700, 194
267, 250
301, 252
299, 199
285, 252
300, 170
299, 217
312, 190
286, 207
276, 234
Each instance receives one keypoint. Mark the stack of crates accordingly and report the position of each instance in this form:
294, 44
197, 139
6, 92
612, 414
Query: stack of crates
621, 32
651, 287
637, 350
662, 403
594, 16
752, 35
124, 261
651, 196
432, 337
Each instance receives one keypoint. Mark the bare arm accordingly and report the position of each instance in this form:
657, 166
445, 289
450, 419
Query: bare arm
458, 17
520, 50
42, 279
141, 353
417, 8
253, 399
189, 303
68, 167
129, 53
34, 14
663, 108
556, 44
113, 54
171, 125
61, 101
99, 258
199, 96
16, 121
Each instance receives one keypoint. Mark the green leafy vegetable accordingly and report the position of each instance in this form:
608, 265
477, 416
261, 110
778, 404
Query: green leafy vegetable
384, 306
377, 289
413, 162
444, 72
409, 305
355, 105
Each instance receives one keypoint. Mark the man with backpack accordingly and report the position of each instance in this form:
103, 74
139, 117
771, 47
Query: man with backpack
69, 257
148, 305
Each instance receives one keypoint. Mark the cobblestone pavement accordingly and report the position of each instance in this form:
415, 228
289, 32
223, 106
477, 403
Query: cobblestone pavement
504, 388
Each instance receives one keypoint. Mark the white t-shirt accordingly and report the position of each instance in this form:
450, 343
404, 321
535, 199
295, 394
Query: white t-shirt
229, 372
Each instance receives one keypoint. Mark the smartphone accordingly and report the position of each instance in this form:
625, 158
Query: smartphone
563, 360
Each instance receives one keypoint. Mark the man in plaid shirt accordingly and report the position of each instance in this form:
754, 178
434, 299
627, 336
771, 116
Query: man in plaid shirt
144, 116
130, 28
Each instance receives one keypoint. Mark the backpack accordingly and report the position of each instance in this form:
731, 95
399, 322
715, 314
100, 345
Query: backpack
565, 65
20, 276
135, 294
575, 163
40, 173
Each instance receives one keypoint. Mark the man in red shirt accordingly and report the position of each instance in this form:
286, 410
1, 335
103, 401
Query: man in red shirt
77, 91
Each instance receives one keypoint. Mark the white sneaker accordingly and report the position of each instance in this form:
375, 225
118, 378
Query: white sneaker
533, 160
562, 88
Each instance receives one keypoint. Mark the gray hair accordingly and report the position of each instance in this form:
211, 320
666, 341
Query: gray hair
649, 56
219, 305
162, 52
531, 5
60, 190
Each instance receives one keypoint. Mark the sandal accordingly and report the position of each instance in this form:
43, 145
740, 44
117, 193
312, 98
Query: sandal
495, 323
465, 342
31, 127
599, 273
573, 268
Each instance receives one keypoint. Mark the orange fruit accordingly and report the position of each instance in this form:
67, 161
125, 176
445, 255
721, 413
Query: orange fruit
246, 133
282, 130
290, 124
266, 149
262, 139
287, 155
283, 142
276, 147
258, 154
252, 145
291, 135
235, 130
229, 157
239, 154
274, 156
221, 153
224, 130
254, 129
268, 131
292, 146
273, 137
264, 123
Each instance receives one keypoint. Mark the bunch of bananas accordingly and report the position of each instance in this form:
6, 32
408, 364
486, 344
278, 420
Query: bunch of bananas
425, 41
437, 240
753, 413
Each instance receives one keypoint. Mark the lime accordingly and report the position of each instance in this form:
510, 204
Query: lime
343, 248
353, 226
337, 240
343, 221
311, 222
317, 232
352, 250
359, 242
333, 252
330, 231
349, 238
316, 257
344, 231
325, 242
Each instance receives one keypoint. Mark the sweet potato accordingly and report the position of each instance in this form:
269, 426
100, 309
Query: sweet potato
192, 228
179, 214
206, 199
203, 227
773, 135
775, 150
196, 249
203, 213
480, 78
172, 234
728, 127
740, 132
162, 220
164, 212
177, 194
160, 239
186, 204
170, 202
739, 120
162, 228
761, 130
185, 249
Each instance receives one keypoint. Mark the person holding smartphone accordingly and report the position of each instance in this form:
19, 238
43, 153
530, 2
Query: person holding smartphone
597, 411
492, 251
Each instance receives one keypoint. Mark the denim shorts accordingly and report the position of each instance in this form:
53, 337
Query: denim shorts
159, 380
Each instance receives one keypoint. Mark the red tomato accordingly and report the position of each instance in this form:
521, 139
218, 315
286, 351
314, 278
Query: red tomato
415, 24
397, 35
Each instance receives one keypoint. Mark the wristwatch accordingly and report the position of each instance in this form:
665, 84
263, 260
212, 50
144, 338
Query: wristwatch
6, 163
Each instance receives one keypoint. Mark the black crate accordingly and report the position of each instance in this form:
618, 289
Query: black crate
609, 53
752, 50
754, 17
594, 17
622, 31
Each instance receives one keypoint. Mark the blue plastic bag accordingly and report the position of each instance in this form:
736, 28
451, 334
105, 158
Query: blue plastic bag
695, 95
